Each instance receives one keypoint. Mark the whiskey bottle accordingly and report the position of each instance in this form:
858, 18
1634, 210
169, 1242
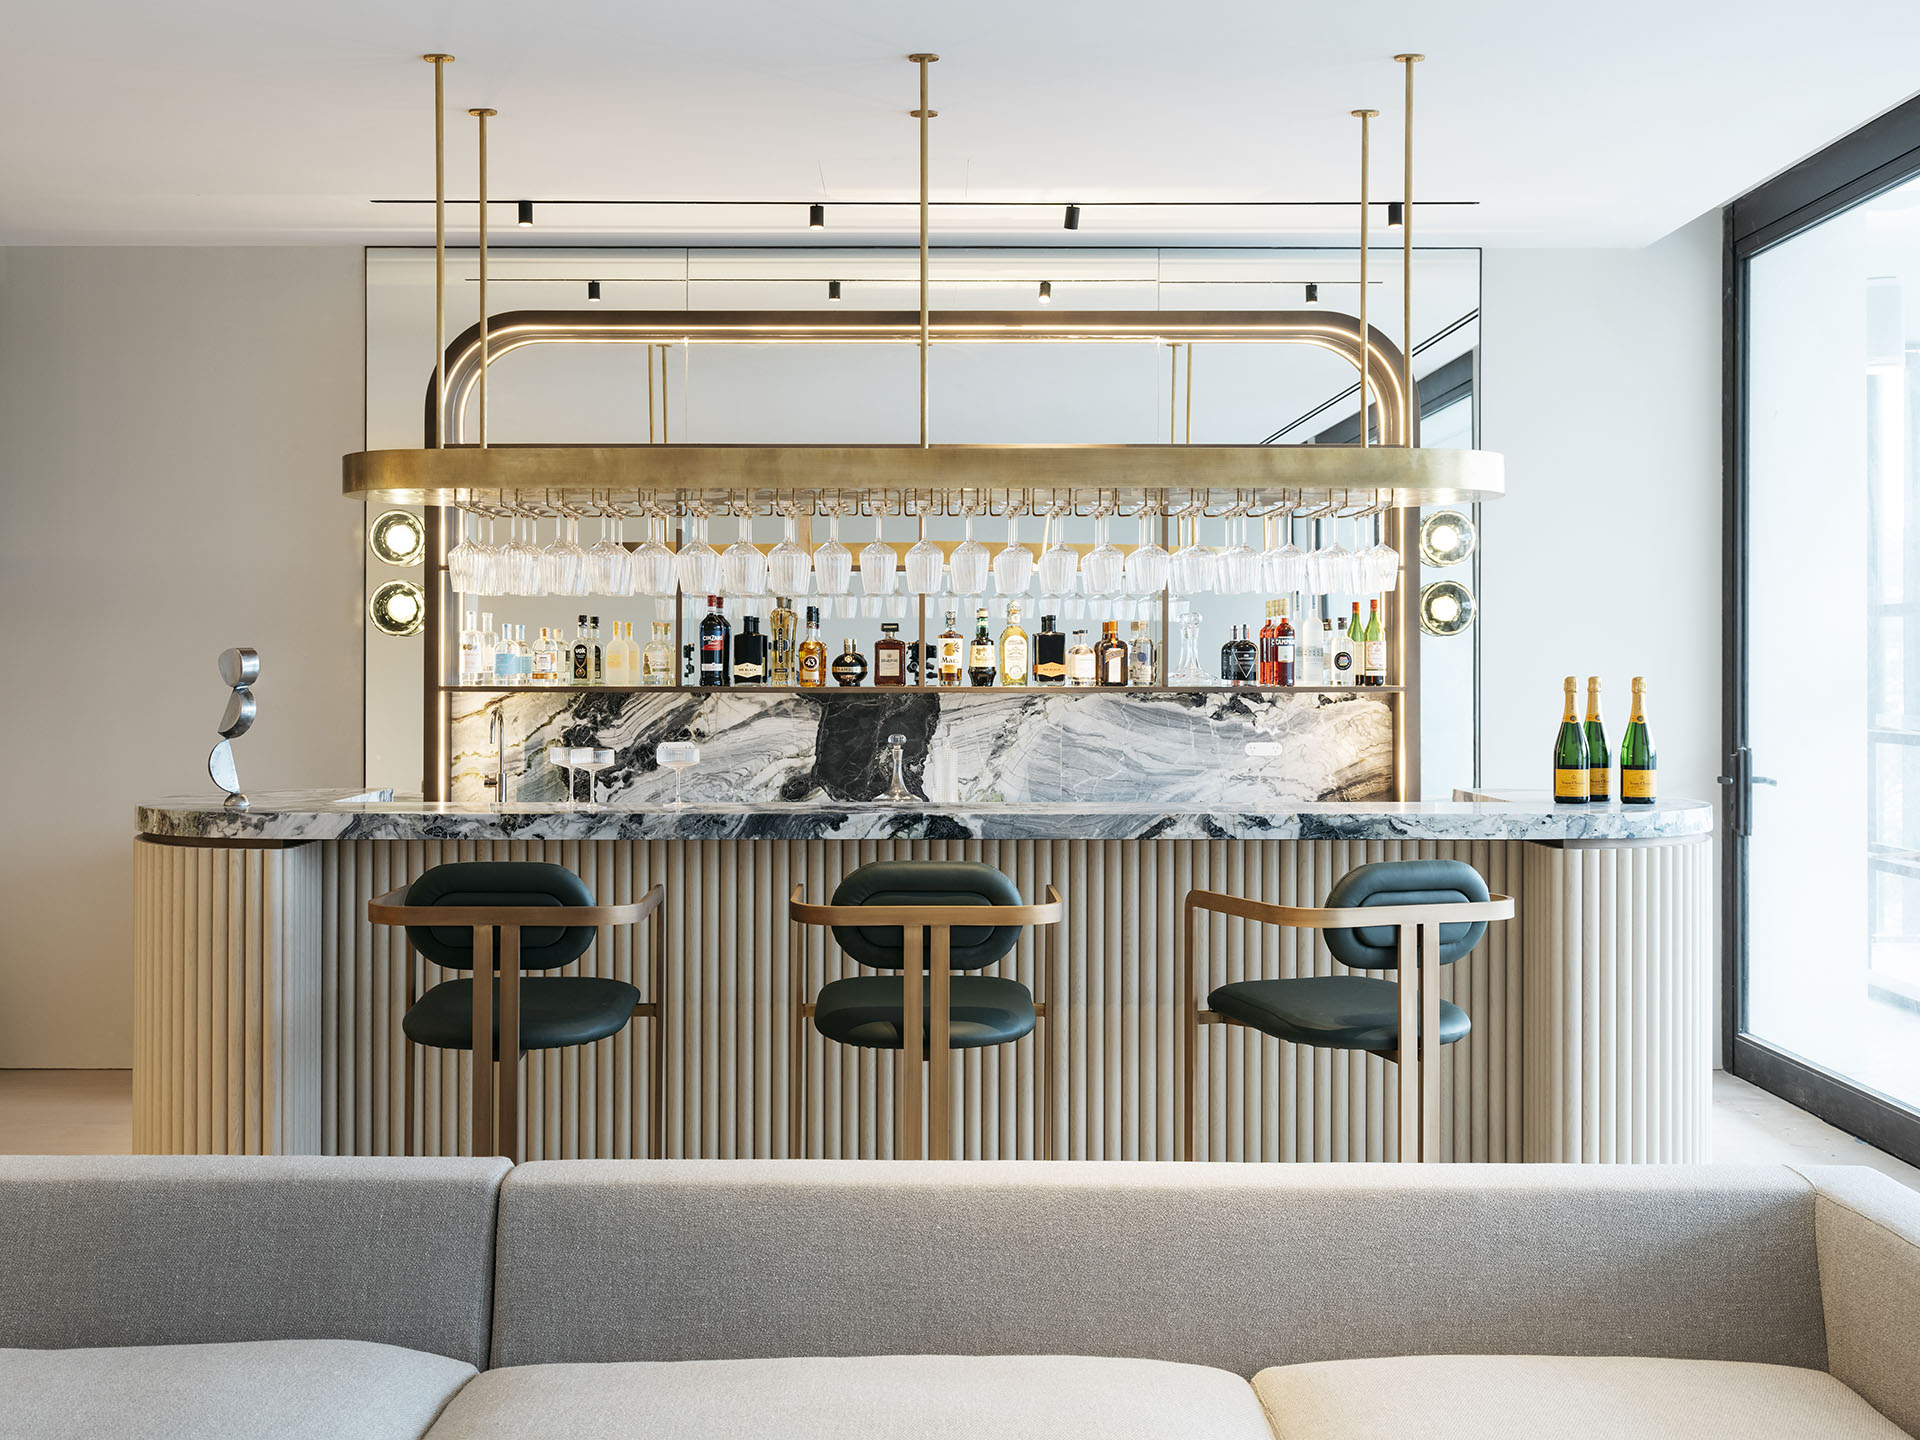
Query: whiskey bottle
1599, 760
849, 666
1246, 659
812, 654
1572, 777
1081, 670
890, 656
656, 661
982, 661
583, 653
951, 648
1374, 658
1049, 654
781, 624
750, 649
1286, 658
716, 649
1639, 768
1143, 667
1110, 655
1013, 650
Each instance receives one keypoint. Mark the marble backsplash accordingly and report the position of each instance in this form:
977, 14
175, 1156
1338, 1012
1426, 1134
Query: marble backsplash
1171, 748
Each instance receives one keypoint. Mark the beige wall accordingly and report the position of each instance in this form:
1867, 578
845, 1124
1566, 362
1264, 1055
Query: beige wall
171, 426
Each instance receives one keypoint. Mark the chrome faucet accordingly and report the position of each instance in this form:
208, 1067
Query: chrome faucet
497, 737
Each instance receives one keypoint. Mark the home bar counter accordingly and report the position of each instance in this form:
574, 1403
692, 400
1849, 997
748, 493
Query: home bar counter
268, 1007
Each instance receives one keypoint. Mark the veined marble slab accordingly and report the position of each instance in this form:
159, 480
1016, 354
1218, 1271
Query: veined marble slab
325, 816
1179, 749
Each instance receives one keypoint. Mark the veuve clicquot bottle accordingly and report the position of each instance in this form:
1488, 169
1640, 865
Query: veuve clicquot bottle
1572, 780
1599, 759
1637, 760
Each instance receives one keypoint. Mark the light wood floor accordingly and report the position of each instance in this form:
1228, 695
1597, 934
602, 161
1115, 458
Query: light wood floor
89, 1112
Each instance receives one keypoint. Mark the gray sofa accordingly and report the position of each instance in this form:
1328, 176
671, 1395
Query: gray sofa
465, 1300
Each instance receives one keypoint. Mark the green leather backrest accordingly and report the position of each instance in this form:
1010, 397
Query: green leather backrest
1404, 882
926, 882
503, 883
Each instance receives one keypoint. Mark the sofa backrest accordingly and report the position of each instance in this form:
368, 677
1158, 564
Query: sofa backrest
1238, 1266
155, 1250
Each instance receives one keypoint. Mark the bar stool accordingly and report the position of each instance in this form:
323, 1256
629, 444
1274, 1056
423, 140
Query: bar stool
530, 916
1418, 915
925, 919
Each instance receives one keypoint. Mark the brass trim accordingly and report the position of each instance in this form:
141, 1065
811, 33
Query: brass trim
1365, 118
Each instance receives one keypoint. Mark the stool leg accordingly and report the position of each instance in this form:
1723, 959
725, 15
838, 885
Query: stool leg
406, 1095
1429, 1043
912, 1044
508, 1115
657, 927
483, 1131
797, 1042
1407, 979
940, 1048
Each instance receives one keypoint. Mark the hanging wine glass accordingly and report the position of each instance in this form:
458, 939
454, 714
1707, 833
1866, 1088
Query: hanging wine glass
653, 567
879, 562
1282, 567
1147, 565
1327, 569
833, 562
788, 564
1383, 561
968, 565
1238, 565
698, 564
1058, 560
462, 560
610, 566
1104, 566
489, 562
1192, 567
743, 569
1013, 566
925, 563
522, 561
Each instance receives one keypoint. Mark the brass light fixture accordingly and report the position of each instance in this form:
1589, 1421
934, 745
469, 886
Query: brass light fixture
398, 608
397, 537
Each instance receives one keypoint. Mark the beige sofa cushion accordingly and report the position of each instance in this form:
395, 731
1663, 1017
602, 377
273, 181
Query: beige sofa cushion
1867, 1227
287, 1389
884, 1397
1522, 1397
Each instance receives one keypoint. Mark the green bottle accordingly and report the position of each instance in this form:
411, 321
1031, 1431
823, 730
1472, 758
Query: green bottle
1638, 764
1373, 659
1357, 642
1572, 778
1599, 760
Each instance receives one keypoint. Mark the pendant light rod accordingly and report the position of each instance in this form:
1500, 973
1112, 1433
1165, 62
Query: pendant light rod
439, 63
1406, 265
924, 115
482, 116
1366, 405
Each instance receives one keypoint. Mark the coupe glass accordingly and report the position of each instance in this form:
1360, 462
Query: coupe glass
698, 565
1192, 566
833, 562
1147, 565
609, 566
1238, 565
1283, 568
879, 562
1013, 566
1058, 560
563, 564
562, 755
1104, 566
925, 564
743, 569
788, 566
678, 756
653, 568
592, 759
968, 565
520, 562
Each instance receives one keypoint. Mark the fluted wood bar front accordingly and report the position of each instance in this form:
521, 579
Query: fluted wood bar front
1591, 1013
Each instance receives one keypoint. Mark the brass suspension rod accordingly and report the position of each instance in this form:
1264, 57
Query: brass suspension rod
925, 116
439, 63
1366, 398
1406, 264
486, 356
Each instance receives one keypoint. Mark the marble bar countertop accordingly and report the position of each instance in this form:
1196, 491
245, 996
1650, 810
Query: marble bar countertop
364, 815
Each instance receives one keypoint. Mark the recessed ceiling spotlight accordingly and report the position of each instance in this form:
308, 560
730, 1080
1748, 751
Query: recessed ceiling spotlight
1046, 292
1396, 215
1313, 293
816, 217
593, 292
526, 212
1073, 217
833, 289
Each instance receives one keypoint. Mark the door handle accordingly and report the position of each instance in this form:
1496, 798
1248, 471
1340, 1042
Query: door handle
1740, 785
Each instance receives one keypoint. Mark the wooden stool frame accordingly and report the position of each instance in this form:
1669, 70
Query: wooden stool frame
498, 1126
924, 930
1419, 960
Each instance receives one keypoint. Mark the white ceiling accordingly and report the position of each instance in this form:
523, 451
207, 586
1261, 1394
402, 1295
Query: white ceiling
247, 121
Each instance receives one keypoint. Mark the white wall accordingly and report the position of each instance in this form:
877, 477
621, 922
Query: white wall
171, 427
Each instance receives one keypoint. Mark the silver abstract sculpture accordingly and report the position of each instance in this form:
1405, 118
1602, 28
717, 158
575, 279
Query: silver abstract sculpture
239, 668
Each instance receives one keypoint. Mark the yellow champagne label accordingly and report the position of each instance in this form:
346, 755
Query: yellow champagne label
1637, 784
1571, 785
1598, 782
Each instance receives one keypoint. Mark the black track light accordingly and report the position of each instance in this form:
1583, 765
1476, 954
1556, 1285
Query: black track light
833, 289
1073, 217
816, 217
593, 292
1396, 215
526, 212
1313, 293
1046, 292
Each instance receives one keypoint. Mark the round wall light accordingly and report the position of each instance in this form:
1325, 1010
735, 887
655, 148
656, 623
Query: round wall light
398, 608
397, 537
1446, 607
1446, 538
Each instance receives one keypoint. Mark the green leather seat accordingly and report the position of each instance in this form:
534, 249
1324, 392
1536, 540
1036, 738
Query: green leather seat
554, 1013
1337, 1012
867, 1011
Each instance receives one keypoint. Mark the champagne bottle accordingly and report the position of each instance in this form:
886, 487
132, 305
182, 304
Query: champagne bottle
1599, 759
1571, 776
1638, 764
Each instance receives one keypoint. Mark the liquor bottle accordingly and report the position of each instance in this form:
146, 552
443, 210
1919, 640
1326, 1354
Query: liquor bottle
522, 657
1246, 658
473, 660
983, 661
1229, 654
716, 647
951, 648
546, 658
656, 661
1572, 779
1013, 650
1286, 652
813, 654
1110, 655
1143, 660
890, 656
1081, 670
582, 667
1374, 658
750, 649
1599, 761
1323, 672
596, 651
849, 666
619, 671
1638, 763
781, 624
1346, 651
503, 656
1311, 640
1267, 656
1049, 654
